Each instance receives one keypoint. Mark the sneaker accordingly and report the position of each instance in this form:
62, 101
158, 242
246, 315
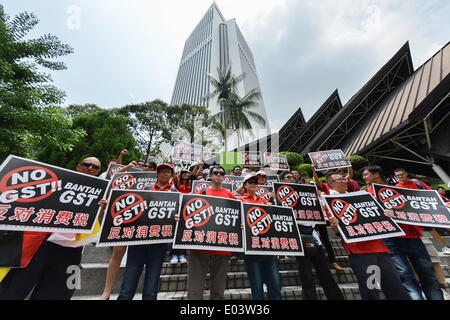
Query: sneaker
446, 295
182, 259
174, 260
446, 250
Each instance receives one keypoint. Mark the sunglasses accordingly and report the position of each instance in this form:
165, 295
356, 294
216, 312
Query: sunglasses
87, 165
219, 173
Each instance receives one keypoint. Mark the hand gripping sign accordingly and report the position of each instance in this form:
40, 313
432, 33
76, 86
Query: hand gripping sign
416, 207
270, 230
35, 196
303, 199
361, 218
330, 159
136, 217
209, 223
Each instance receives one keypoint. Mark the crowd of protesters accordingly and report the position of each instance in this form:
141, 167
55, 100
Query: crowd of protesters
410, 266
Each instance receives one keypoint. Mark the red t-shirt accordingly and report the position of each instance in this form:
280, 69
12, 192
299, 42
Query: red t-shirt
223, 193
249, 199
410, 230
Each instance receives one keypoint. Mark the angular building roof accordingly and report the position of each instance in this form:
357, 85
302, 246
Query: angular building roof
408, 103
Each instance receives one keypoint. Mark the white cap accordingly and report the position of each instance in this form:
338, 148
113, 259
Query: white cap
205, 171
249, 176
261, 173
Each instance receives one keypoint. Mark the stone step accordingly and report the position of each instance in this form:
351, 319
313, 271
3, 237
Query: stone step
350, 292
93, 278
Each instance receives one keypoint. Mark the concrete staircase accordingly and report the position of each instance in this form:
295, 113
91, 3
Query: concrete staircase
173, 278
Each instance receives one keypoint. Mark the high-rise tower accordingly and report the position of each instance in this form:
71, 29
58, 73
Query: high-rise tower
216, 43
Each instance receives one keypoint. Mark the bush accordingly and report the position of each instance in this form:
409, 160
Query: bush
358, 162
293, 158
305, 170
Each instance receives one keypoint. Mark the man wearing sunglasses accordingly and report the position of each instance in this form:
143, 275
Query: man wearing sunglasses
217, 261
47, 270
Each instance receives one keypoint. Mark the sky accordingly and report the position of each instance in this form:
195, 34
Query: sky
128, 51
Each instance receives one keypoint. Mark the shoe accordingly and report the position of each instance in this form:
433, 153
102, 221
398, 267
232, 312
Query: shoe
182, 259
446, 250
445, 293
336, 267
174, 260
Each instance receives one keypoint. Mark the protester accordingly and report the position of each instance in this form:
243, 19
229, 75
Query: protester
366, 254
183, 183
151, 256
405, 182
287, 177
406, 250
117, 255
217, 261
443, 193
237, 171
47, 271
260, 269
296, 175
314, 257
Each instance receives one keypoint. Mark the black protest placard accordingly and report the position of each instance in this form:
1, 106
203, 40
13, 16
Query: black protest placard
113, 168
361, 217
272, 178
136, 217
36, 196
276, 161
209, 223
199, 185
330, 159
235, 181
303, 199
251, 158
270, 230
189, 152
138, 180
266, 192
416, 207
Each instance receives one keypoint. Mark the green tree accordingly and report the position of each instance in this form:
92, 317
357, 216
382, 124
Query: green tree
76, 110
107, 135
30, 114
149, 125
235, 111
358, 162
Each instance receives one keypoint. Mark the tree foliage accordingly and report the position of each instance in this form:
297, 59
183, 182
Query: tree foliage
107, 135
30, 112
293, 158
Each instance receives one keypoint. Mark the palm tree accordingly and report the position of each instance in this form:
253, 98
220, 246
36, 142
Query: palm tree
234, 111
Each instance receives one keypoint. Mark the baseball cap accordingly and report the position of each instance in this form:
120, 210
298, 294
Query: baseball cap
261, 173
249, 176
163, 165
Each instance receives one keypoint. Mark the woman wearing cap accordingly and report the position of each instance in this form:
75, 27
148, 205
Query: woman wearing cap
260, 269
152, 255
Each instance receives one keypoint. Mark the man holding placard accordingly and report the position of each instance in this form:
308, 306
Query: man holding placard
217, 261
408, 249
367, 257
47, 268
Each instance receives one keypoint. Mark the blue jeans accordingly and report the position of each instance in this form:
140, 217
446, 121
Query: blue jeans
389, 278
260, 270
152, 256
402, 249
